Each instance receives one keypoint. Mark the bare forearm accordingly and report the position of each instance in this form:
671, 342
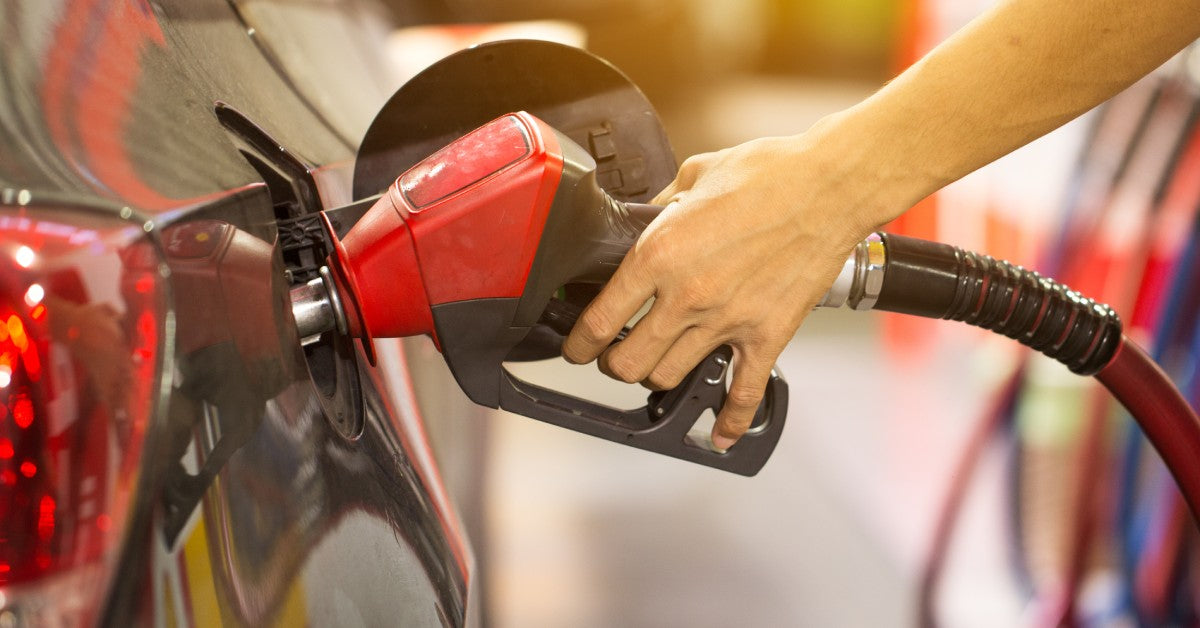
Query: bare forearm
1016, 73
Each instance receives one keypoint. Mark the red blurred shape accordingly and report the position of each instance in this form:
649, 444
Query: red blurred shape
33, 364
38, 312
28, 469
4, 568
144, 284
193, 240
16, 332
45, 524
6, 449
104, 522
22, 410
147, 328
7, 477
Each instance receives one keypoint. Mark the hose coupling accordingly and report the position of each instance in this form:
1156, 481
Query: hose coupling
861, 279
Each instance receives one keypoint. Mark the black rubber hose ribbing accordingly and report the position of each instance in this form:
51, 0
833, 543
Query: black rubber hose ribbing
937, 280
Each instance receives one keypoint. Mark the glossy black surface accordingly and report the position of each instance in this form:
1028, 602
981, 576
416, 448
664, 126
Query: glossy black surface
574, 91
253, 505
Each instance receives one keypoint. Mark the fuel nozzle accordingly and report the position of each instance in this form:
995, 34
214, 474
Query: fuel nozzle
488, 246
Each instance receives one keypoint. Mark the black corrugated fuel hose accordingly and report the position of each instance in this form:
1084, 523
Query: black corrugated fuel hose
910, 276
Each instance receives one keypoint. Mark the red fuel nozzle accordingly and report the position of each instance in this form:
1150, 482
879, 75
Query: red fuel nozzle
471, 245
463, 224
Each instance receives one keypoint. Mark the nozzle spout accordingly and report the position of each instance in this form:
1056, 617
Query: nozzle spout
317, 308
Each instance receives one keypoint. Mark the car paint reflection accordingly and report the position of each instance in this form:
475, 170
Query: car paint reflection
80, 340
247, 433
251, 506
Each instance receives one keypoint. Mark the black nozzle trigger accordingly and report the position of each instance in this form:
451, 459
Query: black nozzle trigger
665, 424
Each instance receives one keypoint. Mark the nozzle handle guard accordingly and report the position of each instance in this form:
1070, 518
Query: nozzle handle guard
667, 423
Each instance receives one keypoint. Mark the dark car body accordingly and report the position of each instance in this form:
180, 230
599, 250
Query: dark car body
182, 457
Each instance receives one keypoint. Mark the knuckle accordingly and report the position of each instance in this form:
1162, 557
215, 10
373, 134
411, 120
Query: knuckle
739, 316
735, 425
596, 326
697, 296
742, 396
652, 252
665, 378
693, 163
693, 167
622, 368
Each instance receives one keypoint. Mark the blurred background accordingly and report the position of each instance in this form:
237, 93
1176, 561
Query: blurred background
928, 471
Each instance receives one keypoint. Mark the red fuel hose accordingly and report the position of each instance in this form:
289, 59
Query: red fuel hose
1163, 414
964, 472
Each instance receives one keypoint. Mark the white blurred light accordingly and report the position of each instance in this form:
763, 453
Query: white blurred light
25, 257
1192, 63
34, 294
5, 380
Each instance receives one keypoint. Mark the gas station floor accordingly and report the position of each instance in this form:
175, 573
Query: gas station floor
830, 533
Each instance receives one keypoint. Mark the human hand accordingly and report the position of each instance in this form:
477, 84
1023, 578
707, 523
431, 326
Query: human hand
751, 238
96, 340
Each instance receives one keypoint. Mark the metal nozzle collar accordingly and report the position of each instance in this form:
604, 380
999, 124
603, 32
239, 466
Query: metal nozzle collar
317, 307
861, 279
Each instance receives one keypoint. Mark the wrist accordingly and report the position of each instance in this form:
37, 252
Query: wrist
884, 175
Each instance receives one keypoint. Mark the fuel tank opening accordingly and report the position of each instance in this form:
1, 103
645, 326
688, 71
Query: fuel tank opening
329, 356
317, 308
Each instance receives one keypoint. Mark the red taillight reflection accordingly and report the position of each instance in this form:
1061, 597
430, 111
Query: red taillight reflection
16, 333
80, 320
28, 469
45, 522
21, 408
144, 284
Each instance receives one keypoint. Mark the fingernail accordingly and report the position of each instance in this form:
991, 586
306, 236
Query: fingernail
722, 443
